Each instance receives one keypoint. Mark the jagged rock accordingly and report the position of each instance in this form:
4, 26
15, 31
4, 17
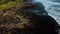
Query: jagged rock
21, 20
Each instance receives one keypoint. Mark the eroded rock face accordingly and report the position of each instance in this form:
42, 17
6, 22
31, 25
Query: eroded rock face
14, 19
17, 20
14, 15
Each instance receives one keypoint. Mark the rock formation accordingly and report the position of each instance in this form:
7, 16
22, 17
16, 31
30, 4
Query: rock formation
19, 19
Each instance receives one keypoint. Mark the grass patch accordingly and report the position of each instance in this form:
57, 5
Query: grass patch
2, 6
6, 5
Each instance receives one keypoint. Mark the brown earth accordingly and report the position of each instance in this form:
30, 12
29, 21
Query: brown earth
14, 16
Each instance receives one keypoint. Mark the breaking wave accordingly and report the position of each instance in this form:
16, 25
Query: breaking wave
53, 8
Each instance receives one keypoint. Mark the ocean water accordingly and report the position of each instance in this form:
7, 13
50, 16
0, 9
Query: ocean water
52, 7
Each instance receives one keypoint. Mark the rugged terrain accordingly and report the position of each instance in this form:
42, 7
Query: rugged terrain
16, 19
13, 16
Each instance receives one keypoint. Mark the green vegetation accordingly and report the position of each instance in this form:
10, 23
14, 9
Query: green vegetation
5, 3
